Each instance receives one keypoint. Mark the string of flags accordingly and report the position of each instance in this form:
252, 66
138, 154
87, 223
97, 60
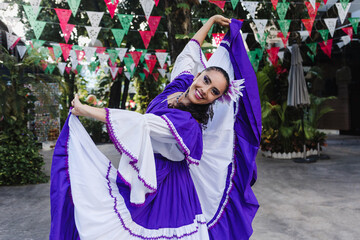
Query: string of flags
76, 58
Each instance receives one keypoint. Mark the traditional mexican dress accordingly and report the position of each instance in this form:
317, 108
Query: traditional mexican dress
174, 180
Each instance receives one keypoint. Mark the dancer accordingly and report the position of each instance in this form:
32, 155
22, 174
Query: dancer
186, 166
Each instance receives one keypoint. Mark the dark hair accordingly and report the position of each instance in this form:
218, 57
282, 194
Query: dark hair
202, 112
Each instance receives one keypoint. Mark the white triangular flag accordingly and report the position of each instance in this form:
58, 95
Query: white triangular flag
103, 58
304, 35
340, 44
74, 63
61, 66
11, 40
161, 71
260, 25
127, 75
313, 3
105, 69
346, 39
11, 23
21, 50
114, 71
93, 33
161, 56
342, 13
73, 54
95, 18
331, 25
290, 48
168, 75
4, 6
244, 36
147, 6
281, 56
169, 61
250, 7
122, 52
35, 5
147, 56
132, 66
89, 53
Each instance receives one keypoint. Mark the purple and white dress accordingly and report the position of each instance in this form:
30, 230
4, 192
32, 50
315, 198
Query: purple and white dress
174, 180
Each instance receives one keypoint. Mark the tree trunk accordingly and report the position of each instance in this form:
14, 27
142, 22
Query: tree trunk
125, 93
115, 93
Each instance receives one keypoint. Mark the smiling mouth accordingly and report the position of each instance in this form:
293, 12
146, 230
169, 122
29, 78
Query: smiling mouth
198, 94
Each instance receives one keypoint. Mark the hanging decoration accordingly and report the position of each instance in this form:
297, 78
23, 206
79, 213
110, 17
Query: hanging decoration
80, 55
95, 17
136, 57
348, 31
150, 64
93, 33
38, 28
324, 34
156, 2
146, 37
114, 72
260, 25
274, 3
67, 29
118, 35
312, 10
342, 12
103, 58
250, 7
312, 47
63, 15
31, 14
113, 55
344, 3
144, 52
282, 9
273, 54
61, 66
122, 52
308, 23
234, 3
284, 26
21, 50
35, 4
331, 25
147, 6
326, 47
74, 6
161, 56
156, 76
203, 21
65, 48
112, 5
220, 4
283, 38
262, 40
125, 20
218, 37
89, 53
11, 40
162, 72
354, 23
346, 39
153, 22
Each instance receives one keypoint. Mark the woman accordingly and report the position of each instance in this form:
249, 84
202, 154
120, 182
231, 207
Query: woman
172, 181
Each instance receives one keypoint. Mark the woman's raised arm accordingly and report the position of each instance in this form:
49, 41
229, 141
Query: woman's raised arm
203, 31
80, 109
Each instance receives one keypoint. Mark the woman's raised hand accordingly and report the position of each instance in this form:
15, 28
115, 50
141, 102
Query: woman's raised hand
221, 20
77, 106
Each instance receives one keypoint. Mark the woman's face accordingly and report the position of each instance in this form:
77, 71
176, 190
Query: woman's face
207, 87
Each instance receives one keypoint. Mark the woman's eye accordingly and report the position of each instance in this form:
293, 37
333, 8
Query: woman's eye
206, 79
215, 92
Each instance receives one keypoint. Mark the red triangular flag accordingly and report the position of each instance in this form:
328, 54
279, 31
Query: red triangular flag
63, 15
218, 37
308, 23
120, 69
112, 5
160, 50
152, 57
43, 65
146, 73
208, 55
218, 3
273, 55
100, 50
165, 66
136, 57
65, 48
325, 1
111, 64
153, 22
156, 2
68, 69
312, 12
274, 3
151, 64
146, 37
156, 76
51, 52
283, 38
80, 55
326, 47
67, 29
348, 31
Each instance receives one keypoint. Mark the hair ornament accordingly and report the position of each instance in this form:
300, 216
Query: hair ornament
234, 91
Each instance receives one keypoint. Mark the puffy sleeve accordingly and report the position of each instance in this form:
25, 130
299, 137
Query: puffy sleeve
190, 61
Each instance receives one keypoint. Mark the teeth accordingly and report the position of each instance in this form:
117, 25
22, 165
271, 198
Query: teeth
198, 93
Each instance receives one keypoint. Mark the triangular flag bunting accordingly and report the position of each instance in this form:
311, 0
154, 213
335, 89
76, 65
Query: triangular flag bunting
218, 37
63, 15
113, 54
120, 70
61, 66
100, 49
331, 25
346, 39
136, 57
153, 22
283, 38
312, 56
21, 50
208, 55
156, 76
79, 68
122, 52
220, 4
325, 2
273, 54
324, 34
31, 15
89, 53
308, 23
11, 40
151, 64
144, 51
161, 56
162, 72
274, 3
112, 5
146, 37
311, 10
344, 3
129, 63
67, 29
80, 55
35, 4
234, 3
341, 11
65, 48
68, 69
261, 25
118, 35
156, 2
250, 7
125, 20
38, 27
51, 53
312, 47
203, 21
348, 31
95, 17
127, 75
103, 58
304, 35
282, 9
74, 6
284, 25
147, 6
93, 33
262, 40
57, 51
146, 72
354, 23
114, 71
313, 3
326, 47
142, 76
50, 68
105, 69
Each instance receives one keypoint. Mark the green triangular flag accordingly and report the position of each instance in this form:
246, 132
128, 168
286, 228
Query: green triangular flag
312, 56
74, 6
50, 68
78, 68
282, 8
284, 26
255, 65
129, 63
259, 52
57, 52
38, 27
146, 67
324, 34
344, 3
37, 43
203, 21
44, 51
77, 47
262, 41
113, 54
118, 35
93, 65
234, 3
355, 23
252, 56
142, 76
144, 51
125, 20
31, 15
312, 47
